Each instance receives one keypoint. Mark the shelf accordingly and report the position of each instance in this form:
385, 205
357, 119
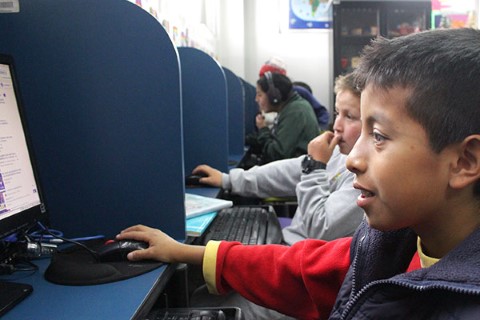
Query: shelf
356, 23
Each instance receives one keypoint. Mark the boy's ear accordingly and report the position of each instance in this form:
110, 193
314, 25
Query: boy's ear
467, 169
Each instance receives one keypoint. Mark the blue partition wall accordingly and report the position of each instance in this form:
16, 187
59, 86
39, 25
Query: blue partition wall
251, 106
101, 86
205, 113
236, 116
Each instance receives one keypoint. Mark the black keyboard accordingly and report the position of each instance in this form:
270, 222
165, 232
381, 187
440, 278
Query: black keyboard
246, 224
228, 313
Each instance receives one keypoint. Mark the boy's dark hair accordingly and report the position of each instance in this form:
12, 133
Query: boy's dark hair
280, 81
442, 69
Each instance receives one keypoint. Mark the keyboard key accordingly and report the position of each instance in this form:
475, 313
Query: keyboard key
246, 224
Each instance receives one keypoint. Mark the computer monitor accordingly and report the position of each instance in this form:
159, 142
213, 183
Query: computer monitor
21, 202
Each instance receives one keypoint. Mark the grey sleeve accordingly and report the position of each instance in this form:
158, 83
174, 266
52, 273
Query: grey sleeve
327, 206
274, 179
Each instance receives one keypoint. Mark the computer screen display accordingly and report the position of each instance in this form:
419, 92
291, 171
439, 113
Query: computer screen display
20, 198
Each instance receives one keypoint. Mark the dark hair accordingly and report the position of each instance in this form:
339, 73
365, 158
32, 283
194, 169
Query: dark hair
280, 81
441, 68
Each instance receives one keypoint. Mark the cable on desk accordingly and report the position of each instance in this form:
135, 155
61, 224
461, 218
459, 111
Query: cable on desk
56, 235
12, 260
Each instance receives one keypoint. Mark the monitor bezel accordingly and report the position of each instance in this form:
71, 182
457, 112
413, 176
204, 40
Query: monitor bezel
22, 221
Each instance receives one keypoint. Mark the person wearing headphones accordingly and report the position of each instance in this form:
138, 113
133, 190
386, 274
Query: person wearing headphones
294, 126
277, 65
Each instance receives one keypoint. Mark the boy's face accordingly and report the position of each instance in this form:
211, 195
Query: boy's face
403, 181
347, 120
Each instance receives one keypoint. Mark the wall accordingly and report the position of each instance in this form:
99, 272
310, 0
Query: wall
192, 23
232, 38
243, 34
308, 54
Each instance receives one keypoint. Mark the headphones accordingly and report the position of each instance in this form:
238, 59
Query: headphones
274, 95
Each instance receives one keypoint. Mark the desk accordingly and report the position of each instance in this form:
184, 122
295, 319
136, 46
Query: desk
127, 299
234, 160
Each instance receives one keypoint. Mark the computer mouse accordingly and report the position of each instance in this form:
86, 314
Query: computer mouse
114, 250
194, 179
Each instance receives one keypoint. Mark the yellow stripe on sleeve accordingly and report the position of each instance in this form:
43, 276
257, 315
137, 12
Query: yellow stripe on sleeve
210, 265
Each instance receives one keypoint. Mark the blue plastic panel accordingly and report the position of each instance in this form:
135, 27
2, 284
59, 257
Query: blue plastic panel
101, 86
236, 114
205, 112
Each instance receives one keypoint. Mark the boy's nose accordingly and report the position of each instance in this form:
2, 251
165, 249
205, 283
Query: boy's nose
337, 125
355, 160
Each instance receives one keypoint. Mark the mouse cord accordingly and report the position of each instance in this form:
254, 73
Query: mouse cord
45, 229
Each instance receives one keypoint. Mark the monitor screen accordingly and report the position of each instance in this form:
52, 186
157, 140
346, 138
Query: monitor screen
20, 199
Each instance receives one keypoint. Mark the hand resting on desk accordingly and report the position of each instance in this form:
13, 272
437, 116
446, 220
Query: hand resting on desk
161, 246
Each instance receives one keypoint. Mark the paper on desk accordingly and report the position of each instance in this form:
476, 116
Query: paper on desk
196, 205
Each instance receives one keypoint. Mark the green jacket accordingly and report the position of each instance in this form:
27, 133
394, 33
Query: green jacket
295, 126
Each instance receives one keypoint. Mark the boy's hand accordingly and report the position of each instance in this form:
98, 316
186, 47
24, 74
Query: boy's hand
161, 246
213, 178
321, 147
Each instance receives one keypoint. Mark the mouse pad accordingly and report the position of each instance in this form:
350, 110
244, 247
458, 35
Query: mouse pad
76, 266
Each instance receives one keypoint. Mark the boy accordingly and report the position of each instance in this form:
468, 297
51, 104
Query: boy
326, 198
417, 164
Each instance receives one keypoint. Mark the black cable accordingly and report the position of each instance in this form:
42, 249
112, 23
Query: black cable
6, 268
25, 266
92, 252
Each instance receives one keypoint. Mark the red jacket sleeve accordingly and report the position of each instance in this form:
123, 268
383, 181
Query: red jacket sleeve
301, 281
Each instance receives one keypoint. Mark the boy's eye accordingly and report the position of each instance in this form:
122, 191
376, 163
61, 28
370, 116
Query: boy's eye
351, 117
378, 137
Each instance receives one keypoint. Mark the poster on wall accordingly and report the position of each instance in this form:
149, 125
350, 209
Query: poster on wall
454, 14
310, 14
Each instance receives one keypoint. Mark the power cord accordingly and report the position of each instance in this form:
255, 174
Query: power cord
13, 259
17, 249
18, 266
57, 235
6, 268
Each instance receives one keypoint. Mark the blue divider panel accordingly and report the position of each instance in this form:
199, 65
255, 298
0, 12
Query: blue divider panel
205, 113
251, 106
236, 114
101, 87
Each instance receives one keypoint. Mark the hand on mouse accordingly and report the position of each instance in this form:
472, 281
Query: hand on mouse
321, 147
161, 246
213, 176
